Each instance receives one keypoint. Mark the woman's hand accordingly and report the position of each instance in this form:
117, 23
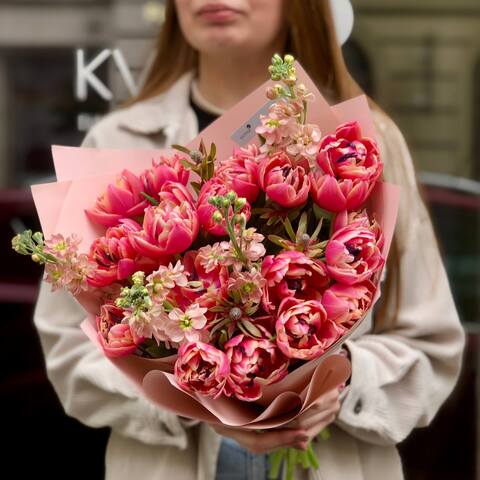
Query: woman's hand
267, 441
296, 434
321, 414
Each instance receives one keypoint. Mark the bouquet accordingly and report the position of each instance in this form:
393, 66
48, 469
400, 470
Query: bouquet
222, 280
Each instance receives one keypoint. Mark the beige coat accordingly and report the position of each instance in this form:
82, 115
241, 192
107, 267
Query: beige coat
399, 379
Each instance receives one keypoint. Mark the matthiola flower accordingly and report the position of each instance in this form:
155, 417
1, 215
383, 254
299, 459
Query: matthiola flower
292, 274
253, 363
240, 172
252, 248
149, 323
123, 199
214, 282
282, 181
349, 167
165, 279
247, 285
345, 304
201, 368
306, 142
164, 170
116, 338
168, 228
186, 325
115, 257
70, 269
280, 125
352, 254
215, 186
303, 329
210, 257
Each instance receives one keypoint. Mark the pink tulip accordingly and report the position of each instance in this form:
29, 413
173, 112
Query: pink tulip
215, 186
117, 339
175, 192
292, 274
359, 218
167, 229
282, 181
121, 200
349, 167
239, 172
352, 254
164, 170
303, 329
253, 363
201, 368
345, 304
115, 257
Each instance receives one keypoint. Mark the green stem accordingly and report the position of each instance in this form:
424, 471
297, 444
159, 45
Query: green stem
231, 233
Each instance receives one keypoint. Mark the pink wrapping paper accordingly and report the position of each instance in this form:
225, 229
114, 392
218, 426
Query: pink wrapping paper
84, 173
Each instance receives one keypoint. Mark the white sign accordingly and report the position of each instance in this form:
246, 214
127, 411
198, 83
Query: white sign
85, 76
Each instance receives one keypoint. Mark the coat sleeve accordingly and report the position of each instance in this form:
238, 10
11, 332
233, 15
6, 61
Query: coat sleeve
90, 388
401, 376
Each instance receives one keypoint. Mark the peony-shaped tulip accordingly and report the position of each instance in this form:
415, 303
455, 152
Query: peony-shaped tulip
253, 363
215, 186
292, 274
164, 170
349, 167
283, 182
345, 304
175, 192
116, 338
303, 329
352, 255
239, 172
123, 199
115, 257
201, 368
168, 228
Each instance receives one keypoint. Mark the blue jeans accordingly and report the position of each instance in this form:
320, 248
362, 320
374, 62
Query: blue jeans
236, 463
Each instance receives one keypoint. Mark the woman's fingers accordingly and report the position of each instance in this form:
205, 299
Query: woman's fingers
267, 441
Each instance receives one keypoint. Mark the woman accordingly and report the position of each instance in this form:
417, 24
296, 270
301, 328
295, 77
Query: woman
209, 56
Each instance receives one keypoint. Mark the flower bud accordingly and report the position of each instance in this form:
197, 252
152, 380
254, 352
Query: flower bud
240, 203
217, 217
231, 196
235, 314
271, 93
288, 58
196, 155
36, 258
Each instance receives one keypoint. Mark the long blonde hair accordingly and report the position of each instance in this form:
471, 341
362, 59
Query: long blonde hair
311, 38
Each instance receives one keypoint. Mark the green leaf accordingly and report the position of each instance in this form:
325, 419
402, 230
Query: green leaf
213, 151
277, 240
289, 230
149, 198
252, 330
321, 213
187, 164
181, 148
302, 224
317, 230
196, 186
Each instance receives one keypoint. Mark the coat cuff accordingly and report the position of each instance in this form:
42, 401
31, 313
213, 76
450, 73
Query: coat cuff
361, 410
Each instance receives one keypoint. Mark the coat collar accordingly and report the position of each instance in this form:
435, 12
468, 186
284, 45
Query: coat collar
163, 112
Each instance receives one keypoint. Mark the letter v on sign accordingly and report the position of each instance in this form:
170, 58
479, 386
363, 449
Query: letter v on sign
86, 77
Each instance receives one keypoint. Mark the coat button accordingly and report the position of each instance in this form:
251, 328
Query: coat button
358, 406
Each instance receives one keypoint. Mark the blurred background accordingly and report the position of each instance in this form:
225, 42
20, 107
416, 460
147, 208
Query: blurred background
64, 63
